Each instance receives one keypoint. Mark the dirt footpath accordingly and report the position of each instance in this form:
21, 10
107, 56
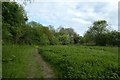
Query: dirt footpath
46, 70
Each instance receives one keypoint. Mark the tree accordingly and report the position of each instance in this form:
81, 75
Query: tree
96, 32
113, 38
81, 39
6, 35
64, 39
71, 35
35, 24
13, 15
51, 28
76, 39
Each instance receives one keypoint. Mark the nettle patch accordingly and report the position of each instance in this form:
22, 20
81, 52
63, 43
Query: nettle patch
82, 61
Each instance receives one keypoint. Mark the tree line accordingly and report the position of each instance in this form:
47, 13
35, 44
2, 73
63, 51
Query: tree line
16, 30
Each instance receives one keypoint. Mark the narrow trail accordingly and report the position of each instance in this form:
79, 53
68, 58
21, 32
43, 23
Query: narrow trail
46, 70
34, 68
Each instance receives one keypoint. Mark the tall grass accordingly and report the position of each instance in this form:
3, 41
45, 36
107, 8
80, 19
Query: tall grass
17, 60
82, 61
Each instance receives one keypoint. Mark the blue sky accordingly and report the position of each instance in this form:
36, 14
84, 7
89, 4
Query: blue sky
77, 14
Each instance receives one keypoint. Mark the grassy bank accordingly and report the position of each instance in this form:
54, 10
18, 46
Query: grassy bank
82, 61
18, 61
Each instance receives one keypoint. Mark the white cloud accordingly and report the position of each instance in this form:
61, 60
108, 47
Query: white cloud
77, 14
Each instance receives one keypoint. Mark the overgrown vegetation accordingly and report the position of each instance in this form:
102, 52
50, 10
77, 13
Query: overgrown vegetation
17, 30
17, 61
82, 61
70, 60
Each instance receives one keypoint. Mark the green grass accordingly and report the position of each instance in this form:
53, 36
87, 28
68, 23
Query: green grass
0, 59
17, 62
82, 61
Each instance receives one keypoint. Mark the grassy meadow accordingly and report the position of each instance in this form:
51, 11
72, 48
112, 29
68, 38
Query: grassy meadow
82, 61
17, 61
70, 40
66, 61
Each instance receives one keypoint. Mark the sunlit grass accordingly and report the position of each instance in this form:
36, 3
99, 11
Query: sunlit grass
17, 60
82, 61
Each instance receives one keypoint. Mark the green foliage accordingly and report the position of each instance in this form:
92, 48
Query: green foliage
6, 35
67, 36
98, 34
35, 24
13, 13
15, 30
70, 61
17, 61
64, 39
13, 18
82, 61
113, 38
96, 31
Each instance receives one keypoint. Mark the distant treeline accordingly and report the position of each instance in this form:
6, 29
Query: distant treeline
16, 30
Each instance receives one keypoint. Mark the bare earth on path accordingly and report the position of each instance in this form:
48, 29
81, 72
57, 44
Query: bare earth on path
42, 70
47, 72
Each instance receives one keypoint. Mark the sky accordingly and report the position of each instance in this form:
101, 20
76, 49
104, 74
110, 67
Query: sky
76, 14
